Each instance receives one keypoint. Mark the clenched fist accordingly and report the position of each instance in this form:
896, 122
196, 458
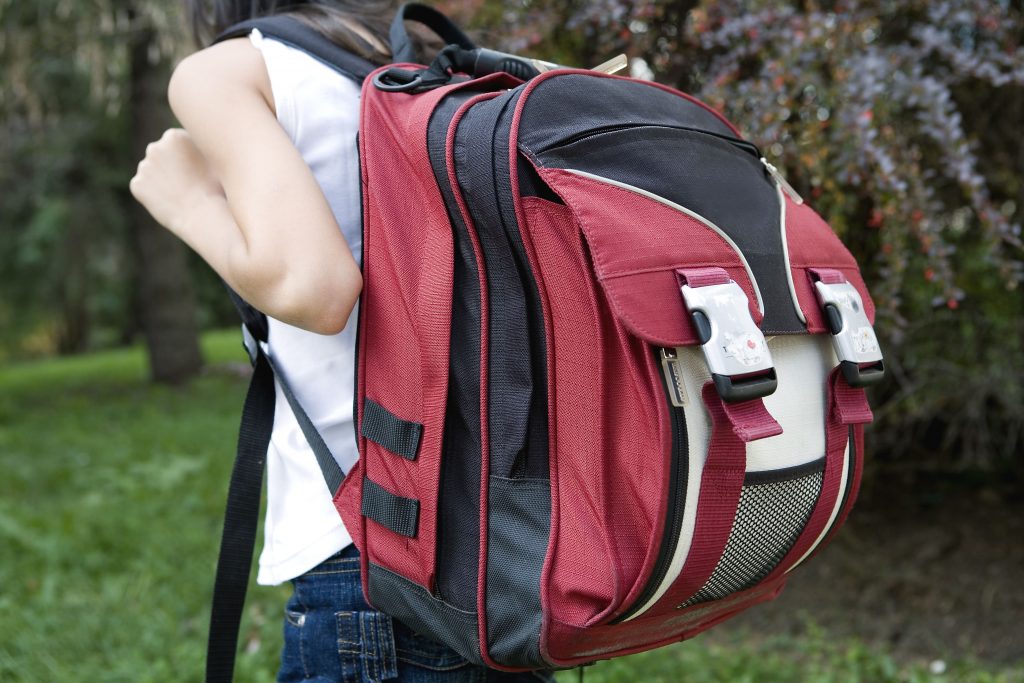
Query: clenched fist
174, 180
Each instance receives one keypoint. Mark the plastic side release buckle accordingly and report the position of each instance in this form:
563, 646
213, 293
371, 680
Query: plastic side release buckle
853, 337
734, 347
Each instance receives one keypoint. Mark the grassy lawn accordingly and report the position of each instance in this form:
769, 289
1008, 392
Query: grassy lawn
111, 497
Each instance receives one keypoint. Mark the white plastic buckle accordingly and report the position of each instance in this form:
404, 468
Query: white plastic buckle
734, 347
853, 337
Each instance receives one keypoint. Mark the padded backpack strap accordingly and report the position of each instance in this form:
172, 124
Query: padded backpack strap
295, 33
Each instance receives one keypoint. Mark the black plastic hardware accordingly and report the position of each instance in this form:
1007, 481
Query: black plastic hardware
703, 325
736, 389
859, 376
398, 80
834, 318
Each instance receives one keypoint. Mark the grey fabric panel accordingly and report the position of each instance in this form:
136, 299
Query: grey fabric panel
424, 613
399, 514
517, 541
381, 426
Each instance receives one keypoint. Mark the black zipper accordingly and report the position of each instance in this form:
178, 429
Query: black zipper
676, 502
745, 145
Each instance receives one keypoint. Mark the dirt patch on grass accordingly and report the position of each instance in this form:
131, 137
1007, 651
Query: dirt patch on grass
937, 575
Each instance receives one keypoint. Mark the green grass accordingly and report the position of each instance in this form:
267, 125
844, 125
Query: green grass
785, 659
111, 499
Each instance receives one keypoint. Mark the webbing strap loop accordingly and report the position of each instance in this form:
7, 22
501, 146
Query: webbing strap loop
399, 514
402, 49
381, 426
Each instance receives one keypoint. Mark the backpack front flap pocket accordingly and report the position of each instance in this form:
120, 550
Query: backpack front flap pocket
636, 242
619, 443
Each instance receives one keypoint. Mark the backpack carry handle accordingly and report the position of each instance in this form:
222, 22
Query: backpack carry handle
460, 55
401, 45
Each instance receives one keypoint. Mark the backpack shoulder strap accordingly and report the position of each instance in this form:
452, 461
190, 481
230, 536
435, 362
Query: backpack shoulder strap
241, 516
293, 32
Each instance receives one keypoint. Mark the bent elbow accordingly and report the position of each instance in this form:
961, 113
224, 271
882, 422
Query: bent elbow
318, 297
323, 306
335, 305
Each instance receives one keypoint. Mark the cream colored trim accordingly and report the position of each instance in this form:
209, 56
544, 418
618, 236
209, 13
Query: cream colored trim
695, 373
688, 212
835, 509
785, 253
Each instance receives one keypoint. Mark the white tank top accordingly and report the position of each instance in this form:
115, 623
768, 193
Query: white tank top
319, 109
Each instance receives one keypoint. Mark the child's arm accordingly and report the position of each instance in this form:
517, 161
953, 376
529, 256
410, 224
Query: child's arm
235, 189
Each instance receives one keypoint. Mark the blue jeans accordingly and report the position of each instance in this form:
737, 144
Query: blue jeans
332, 636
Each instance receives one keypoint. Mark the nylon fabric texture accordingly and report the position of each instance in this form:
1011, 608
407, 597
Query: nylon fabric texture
564, 283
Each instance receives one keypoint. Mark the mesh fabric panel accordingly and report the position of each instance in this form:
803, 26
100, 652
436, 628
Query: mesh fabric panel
772, 512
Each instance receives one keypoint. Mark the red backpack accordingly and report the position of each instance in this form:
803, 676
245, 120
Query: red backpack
610, 365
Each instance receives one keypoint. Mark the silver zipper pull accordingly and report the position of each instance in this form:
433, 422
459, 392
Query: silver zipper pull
673, 377
777, 176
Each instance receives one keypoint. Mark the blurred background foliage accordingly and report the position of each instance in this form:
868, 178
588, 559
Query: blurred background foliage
898, 121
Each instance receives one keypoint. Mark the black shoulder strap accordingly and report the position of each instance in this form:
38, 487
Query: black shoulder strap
291, 31
240, 522
241, 516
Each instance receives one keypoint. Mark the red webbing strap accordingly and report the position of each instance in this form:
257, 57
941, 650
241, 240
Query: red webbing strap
733, 425
848, 405
845, 406
830, 276
702, 277
856, 452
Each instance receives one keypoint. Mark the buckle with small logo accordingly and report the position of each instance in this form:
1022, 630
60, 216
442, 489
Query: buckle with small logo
853, 337
734, 347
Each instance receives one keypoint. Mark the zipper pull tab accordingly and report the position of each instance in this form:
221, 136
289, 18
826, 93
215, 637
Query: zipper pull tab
673, 377
777, 176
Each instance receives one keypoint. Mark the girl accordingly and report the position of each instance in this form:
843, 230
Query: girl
262, 182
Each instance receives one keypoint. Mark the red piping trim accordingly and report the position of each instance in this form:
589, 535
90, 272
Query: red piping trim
481, 593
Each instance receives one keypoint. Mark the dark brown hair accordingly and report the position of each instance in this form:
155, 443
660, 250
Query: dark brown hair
359, 26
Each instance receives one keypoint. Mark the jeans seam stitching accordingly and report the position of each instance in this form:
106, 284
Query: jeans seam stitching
388, 636
349, 658
372, 651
